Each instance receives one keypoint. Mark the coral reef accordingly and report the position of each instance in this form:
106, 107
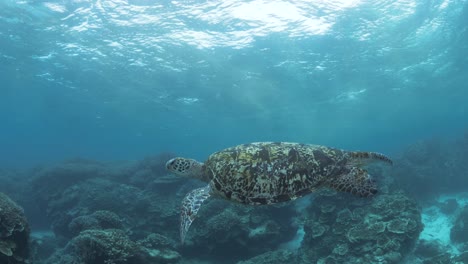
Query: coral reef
379, 230
97, 220
77, 188
129, 213
114, 246
111, 246
229, 232
14, 232
81, 200
48, 187
95, 203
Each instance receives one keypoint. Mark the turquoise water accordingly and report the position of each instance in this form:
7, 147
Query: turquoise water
134, 82
115, 79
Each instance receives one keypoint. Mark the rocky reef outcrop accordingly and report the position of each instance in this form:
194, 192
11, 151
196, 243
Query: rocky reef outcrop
14, 232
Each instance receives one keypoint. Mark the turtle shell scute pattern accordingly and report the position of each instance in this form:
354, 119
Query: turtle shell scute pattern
267, 172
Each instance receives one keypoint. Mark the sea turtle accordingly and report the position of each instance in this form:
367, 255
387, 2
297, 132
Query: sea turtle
271, 172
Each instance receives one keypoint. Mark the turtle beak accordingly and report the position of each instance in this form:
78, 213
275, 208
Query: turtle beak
169, 164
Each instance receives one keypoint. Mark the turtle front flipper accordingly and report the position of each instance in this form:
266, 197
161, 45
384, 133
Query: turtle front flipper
190, 206
357, 182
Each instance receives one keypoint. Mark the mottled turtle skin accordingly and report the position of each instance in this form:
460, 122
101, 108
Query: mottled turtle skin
267, 172
272, 172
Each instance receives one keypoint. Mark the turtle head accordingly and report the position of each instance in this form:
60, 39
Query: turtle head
185, 167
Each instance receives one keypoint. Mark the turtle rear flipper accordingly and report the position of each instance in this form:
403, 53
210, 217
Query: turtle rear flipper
362, 158
190, 206
357, 182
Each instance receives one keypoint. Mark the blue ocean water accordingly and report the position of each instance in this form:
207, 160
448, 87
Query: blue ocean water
120, 79
135, 82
